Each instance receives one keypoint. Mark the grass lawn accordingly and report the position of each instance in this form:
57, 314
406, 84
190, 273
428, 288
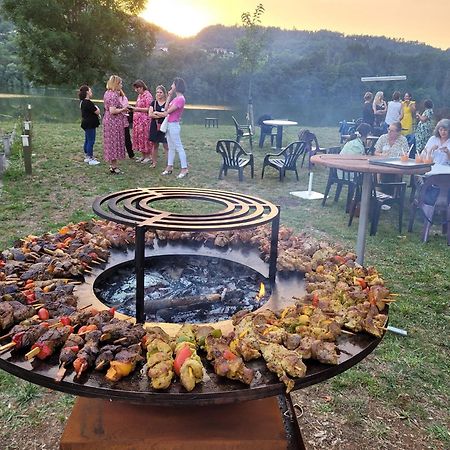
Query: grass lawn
398, 397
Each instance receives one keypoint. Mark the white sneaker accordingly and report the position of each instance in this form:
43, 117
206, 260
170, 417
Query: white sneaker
93, 162
87, 159
139, 159
146, 161
385, 207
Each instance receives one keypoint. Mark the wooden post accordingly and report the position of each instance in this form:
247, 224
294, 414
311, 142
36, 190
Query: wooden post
26, 153
28, 113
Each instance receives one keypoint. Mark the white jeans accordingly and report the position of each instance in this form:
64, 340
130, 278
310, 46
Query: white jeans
175, 145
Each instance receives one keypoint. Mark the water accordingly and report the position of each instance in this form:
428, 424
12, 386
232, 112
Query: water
62, 105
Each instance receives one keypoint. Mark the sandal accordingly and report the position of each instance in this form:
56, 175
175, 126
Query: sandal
114, 170
167, 172
182, 175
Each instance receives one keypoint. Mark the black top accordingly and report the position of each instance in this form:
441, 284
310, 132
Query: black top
155, 135
88, 117
368, 116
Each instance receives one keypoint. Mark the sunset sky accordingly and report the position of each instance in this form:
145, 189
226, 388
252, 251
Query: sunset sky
413, 20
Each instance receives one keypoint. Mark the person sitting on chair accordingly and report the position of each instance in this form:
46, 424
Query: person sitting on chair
438, 146
392, 144
356, 144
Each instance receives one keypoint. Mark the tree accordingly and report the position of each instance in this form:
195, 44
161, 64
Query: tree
75, 41
251, 49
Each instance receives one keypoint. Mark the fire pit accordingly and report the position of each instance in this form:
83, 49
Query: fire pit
133, 208
187, 288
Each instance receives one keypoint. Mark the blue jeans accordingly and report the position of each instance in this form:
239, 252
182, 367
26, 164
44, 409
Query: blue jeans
89, 141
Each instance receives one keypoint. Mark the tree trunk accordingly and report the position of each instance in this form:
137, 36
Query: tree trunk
250, 115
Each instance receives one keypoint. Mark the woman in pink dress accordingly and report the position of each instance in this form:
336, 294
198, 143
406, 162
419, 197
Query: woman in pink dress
113, 130
141, 122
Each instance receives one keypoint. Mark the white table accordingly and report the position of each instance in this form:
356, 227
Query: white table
279, 124
439, 169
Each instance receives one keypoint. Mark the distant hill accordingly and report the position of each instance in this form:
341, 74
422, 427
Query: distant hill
317, 74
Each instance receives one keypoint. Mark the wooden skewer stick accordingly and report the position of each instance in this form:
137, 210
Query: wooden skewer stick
6, 336
32, 353
85, 307
6, 347
94, 261
344, 351
101, 259
348, 332
61, 373
120, 341
75, 283
393, 295
87, 271
100, 365
82, 369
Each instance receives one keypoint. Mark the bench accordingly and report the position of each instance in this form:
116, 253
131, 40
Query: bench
211, 121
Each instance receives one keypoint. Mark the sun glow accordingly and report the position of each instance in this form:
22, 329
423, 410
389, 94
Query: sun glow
178, 16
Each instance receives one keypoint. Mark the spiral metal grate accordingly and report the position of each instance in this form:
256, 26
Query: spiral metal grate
134, 208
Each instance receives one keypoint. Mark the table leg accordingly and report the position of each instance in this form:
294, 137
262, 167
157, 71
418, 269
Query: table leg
279, 136
363, 217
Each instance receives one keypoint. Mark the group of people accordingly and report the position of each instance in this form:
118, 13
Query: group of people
416, 126
394, 144
154, 121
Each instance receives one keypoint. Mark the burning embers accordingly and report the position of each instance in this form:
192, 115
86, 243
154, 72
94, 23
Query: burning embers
184, 288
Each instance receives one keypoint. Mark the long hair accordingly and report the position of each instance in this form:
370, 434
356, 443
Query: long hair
113, 83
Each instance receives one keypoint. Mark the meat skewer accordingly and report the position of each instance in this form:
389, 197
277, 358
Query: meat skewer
159, 358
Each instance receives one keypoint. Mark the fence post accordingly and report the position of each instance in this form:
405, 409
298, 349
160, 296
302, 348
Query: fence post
26, 153
27, 129
7, 138
28, 113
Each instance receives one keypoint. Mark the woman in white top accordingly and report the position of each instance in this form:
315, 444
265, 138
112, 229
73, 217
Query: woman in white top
438, 146
394, 109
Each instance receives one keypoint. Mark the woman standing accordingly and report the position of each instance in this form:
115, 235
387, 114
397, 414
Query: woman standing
174, 111
368, 115
424, 127
409, 111
394, 111
90, 120
113, 129
156, 136
379, 108
126, 124
141, 121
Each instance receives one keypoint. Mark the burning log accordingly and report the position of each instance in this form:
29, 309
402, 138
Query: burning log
153, 306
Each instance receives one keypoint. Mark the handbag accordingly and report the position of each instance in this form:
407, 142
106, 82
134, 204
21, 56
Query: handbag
163, 127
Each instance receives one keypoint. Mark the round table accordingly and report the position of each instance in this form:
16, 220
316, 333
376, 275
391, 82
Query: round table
361, 164
279, 124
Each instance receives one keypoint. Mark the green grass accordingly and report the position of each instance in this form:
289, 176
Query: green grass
408, 375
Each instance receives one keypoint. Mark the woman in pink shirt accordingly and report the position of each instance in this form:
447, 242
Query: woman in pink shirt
174, 110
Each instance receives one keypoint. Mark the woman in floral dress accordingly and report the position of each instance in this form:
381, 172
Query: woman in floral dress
424, 128
113, 130
141, 122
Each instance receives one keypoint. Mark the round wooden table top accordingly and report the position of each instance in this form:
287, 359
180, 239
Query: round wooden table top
360, 163
279, 123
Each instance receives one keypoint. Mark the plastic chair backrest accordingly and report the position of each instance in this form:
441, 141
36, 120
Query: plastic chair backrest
231, 152
292, 153
441, 182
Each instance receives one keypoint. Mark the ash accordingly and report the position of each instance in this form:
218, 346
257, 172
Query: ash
178, 289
